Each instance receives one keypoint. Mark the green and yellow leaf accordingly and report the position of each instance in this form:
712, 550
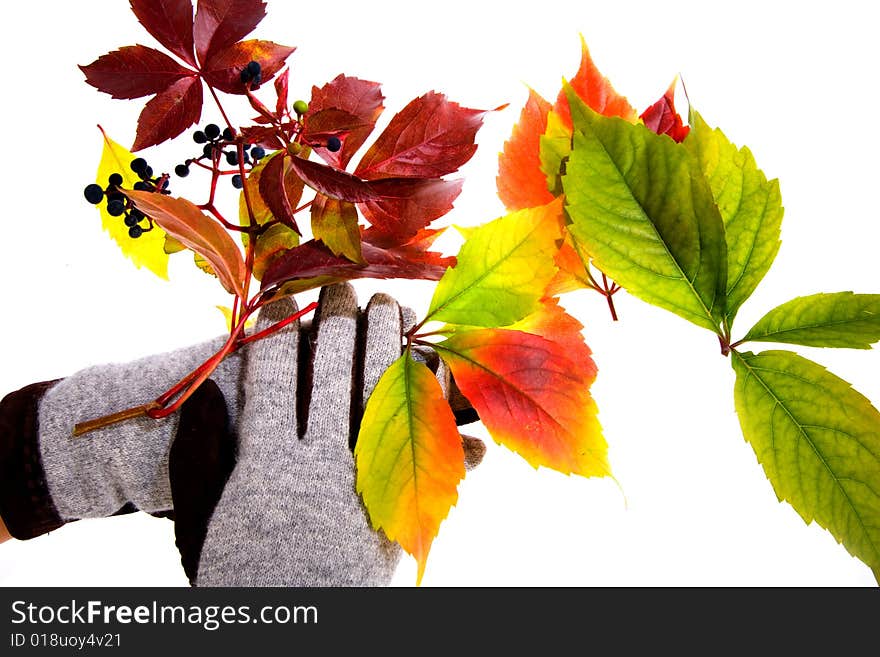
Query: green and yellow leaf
335, 223
750, 206
640, 206
841, 319
409, 457
502, 269
818, 441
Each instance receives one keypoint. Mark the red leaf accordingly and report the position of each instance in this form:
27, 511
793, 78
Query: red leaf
170, 22
169, 113
662, 118
312, 259
281, 189
220, 23
134, 71
521, 183
595, 90
333, 122
395, 221
223, 69
333, 182
266, 137
428, 138
358, 98
184, 221
532, 397
282, 82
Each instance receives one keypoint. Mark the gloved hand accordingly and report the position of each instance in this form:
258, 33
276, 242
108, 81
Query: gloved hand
289, 514
48, 478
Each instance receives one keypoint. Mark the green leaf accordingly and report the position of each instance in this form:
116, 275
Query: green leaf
502, 269
750, 205
841, 319
555, 149
818, 441
641, 208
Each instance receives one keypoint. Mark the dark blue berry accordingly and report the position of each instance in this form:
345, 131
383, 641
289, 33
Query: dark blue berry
212, 131
232, 158
131, 220
147, 173
134, 212
138, 165
200, 137
227, 134
93, 193
208, 150
256, 82
143, 186
181, 170
236, 181
258, 152
334, 144
254, 68
135, 231
115, 207
115, 180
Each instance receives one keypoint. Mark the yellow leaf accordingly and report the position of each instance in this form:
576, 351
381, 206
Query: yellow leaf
149, 249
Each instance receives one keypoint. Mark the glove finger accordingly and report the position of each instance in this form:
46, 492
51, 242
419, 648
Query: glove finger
474, 451
200, 461
329, 407
270, 381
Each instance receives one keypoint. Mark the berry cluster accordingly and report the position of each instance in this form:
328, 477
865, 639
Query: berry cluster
119, 205
253, 74
221, 144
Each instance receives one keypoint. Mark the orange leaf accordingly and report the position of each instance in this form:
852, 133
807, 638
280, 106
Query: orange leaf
521, 183
532, 395
184, 221
595, 90
572, 274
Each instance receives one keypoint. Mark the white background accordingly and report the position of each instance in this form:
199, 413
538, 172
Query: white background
797, 82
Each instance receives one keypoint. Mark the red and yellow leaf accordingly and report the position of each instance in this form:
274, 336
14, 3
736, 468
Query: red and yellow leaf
532, 395
134, 71
521, 183
280, 188
595, 90
359, 101
184, 221
662, 117
409, 457
170, 22
429, 138
572, 274
169, 113
223, 69
220, 23
335, 223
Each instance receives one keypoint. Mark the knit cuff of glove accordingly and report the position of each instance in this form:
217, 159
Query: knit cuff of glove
49, 477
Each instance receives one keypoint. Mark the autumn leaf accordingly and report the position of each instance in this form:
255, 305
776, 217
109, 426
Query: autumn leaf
750, 206
335, 223
555, 147
149, 249
842, 319
521, 183
663, 119
429, 138
818, 441
573, 266
220, 23
134, 71
184, 221
348, 104
282, 86
277, 240
169, 113
170, 22
406, 206
532, 396
409, 457
280, 188
595, 91
223, 69
641, 208
503, 268
332, 182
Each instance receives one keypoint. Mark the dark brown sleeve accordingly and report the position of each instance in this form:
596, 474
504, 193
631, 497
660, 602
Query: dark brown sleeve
25, 503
